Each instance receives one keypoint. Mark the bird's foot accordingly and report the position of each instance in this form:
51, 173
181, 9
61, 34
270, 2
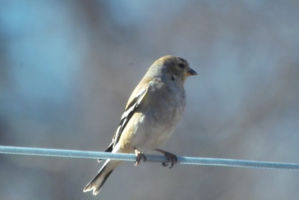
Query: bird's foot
171, 158
139, 156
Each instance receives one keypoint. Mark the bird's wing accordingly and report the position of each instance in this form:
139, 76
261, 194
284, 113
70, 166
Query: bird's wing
130, 109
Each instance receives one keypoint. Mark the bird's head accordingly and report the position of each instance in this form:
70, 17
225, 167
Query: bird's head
178, 68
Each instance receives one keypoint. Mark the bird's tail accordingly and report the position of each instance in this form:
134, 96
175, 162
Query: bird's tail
98, 181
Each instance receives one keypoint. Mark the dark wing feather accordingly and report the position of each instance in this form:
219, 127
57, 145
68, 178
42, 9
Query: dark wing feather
131, 108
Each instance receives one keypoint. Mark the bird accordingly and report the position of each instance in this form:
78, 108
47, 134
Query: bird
151, 115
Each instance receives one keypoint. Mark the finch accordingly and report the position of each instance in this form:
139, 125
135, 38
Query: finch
151, 115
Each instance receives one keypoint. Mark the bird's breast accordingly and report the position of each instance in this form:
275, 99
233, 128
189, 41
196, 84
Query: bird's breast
158, 120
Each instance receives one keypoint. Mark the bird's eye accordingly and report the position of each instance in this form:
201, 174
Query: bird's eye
182, 65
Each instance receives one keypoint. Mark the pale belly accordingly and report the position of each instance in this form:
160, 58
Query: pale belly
146, 132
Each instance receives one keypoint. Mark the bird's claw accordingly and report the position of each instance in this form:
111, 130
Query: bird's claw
171, 158
139, 156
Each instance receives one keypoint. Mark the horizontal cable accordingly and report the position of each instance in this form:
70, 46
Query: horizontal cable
153, 158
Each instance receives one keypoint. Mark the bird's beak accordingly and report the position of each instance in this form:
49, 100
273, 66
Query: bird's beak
191, 72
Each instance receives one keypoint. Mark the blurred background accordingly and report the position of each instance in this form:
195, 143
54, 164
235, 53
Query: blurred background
67, 69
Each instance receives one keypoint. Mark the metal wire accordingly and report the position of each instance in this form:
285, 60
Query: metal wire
152, 158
